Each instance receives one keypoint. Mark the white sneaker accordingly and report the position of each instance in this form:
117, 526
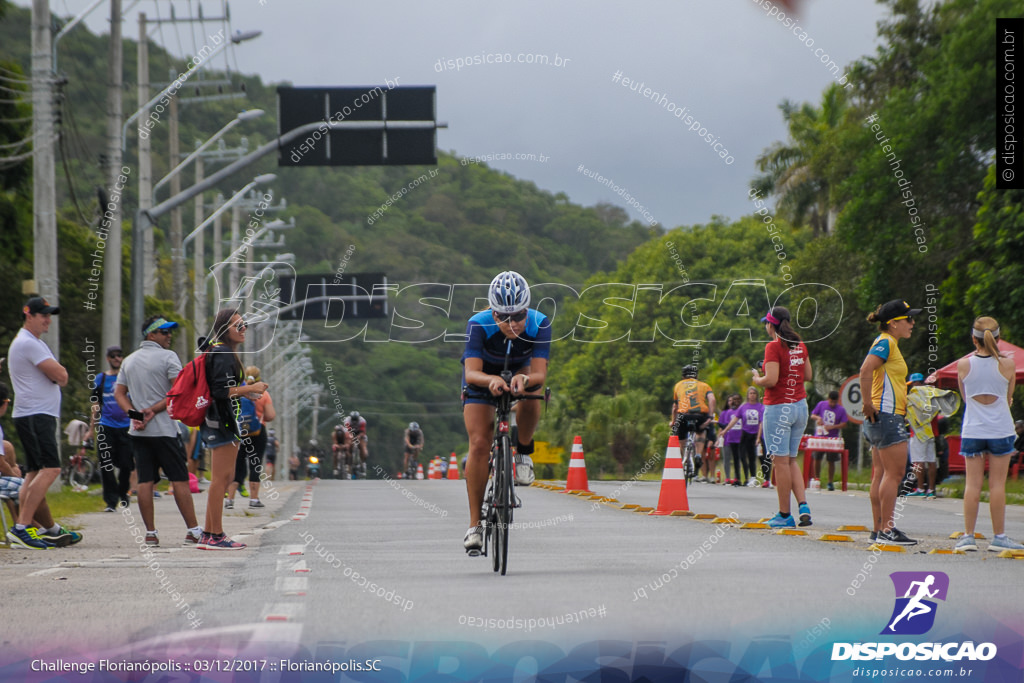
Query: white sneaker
752, 483
524, 470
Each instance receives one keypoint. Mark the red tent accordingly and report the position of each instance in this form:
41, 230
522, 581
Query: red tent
945, 378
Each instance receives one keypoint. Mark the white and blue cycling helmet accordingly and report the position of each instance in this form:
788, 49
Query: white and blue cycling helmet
508, 293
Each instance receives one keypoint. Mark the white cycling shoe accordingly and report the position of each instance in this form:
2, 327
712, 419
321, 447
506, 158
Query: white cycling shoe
474, 540
524, 470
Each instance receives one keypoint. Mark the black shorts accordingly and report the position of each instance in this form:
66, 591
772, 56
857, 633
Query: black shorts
685, 421
38, 434
832, 456
159, 452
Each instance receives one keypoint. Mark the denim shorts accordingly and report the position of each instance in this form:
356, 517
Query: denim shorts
888, 429
784, 425
970, 448
214, 437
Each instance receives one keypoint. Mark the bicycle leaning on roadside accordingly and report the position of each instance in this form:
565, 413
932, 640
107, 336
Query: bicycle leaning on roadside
79, 471
500, 499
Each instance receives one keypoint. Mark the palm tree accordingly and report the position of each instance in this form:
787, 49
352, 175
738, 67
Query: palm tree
796, 172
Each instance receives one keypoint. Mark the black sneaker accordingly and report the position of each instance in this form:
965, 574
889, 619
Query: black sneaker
874, 536
62, 538
895, 537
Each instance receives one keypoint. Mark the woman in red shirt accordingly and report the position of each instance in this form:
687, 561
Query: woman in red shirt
786, 368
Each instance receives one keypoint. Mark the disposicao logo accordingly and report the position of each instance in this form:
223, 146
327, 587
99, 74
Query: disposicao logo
913, 615
914, 612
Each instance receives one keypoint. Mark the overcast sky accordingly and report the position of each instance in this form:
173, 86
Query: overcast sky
726, 61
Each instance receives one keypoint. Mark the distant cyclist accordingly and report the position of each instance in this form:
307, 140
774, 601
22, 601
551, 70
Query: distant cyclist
413, 444
340, 441
693, 402
355, 425
511, 326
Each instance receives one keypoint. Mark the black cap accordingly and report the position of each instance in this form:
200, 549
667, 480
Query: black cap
897, 308
38, 304
111, 350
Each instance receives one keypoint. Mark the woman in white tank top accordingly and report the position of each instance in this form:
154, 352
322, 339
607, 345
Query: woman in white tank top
986, 382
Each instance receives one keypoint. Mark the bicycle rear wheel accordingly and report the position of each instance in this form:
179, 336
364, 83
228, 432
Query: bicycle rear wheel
689, 462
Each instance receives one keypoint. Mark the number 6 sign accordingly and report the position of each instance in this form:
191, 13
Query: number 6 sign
852, 400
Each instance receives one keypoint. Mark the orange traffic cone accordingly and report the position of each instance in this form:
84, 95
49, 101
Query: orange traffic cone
419, 470
453, 468
430, 470
576, 480
436, 465
673, 485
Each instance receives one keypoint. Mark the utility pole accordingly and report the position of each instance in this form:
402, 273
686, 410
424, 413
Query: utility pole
198, 258
145, 165
111, 326
44, 197
179, 296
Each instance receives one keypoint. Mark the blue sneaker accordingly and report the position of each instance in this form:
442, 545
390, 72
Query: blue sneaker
966, 543
1004, 543
27, 538
805, 515
780, 522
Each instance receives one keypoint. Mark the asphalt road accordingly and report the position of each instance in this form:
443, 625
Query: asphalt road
375, 570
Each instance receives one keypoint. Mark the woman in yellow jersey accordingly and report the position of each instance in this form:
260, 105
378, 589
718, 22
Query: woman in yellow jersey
885, 371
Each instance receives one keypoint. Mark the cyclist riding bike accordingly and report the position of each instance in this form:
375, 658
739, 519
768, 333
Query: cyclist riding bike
340, 441
355, 425
510, 327
413, 445
696, 401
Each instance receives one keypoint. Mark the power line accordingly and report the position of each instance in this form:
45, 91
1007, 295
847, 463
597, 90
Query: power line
15, 80
398, 403
19, 143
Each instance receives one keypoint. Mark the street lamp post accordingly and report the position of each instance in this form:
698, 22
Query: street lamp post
140, 227
179, 286
198, 291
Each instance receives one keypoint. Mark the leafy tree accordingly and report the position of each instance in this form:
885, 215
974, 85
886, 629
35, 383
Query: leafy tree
797, 172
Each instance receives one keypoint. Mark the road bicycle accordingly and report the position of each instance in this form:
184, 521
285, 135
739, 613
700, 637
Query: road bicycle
414, 454
691, 461
500, 499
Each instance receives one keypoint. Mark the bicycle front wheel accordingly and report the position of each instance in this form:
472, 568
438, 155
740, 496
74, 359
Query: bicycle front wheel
506, 497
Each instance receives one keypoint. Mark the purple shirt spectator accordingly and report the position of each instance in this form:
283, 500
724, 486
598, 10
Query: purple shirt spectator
751, 416
733, 435
830, 415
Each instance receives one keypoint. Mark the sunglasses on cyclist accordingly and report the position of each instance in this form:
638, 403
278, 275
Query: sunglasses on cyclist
242, 326
511, 317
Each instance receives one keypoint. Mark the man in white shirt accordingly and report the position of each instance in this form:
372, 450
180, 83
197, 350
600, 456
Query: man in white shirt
37, 378
142, 385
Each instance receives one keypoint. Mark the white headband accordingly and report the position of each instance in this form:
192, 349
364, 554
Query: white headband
980, 334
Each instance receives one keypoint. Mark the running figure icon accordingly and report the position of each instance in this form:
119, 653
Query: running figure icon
915, 607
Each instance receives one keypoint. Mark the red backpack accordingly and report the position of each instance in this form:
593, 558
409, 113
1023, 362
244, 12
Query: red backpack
189, 398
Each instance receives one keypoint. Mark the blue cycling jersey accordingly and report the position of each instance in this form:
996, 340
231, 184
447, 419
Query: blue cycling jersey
488, 343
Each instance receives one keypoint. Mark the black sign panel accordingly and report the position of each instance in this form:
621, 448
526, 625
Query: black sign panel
356, 296
386, 146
